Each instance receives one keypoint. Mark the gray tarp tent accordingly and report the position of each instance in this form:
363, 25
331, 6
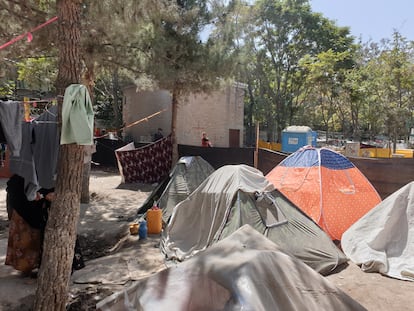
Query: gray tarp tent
233, 196
245, 271
383, 240
188, 173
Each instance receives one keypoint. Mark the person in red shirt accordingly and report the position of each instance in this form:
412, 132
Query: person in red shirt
205, 142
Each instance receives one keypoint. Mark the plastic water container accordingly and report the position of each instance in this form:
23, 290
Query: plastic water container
142, 231
154, 220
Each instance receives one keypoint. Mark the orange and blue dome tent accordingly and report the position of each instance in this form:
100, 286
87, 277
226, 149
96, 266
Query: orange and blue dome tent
327, 186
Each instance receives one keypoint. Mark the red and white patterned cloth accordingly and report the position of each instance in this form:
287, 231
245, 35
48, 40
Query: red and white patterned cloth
148, 164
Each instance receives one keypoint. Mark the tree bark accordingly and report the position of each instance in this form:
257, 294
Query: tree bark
250, 129
60, 232
89, 81
86, 173
115, 105
174, 104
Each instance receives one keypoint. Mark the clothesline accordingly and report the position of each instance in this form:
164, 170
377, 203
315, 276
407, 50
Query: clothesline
143, 119
101, 136
134, 123
45, 122
39, 101
29, 33
50, 100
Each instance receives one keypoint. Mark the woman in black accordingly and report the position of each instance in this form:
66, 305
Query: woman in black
27, 224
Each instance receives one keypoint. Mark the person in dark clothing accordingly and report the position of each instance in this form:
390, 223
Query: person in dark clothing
34, 212
27, 225
158, 135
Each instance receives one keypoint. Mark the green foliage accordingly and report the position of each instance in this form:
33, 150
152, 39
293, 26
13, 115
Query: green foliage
177, 58
108, 97
18, 18
325, 79
387, 80
38, 73
303, 69
300, 67
7, 89
276, 36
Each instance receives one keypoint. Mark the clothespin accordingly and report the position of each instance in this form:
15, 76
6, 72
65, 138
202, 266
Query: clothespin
26, 109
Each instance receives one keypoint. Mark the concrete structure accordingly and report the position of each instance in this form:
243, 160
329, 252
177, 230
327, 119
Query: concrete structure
137, 106
220, 114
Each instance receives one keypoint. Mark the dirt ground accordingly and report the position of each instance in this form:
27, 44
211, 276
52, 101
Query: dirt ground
115, 259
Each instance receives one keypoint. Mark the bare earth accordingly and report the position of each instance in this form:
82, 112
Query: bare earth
115, 259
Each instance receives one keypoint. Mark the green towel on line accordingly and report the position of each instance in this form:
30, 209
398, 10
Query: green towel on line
77, 116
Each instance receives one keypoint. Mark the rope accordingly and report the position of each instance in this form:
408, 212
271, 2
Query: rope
29, 33
143, 119
135, 123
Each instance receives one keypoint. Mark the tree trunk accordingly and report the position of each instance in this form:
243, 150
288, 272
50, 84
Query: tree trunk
60, 232
115, 104
174, 126
86, 172
250, 133
89, 81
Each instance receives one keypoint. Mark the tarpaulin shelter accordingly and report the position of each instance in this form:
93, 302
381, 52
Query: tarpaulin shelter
327, 186
235, 195
383, 240
187, 174
245, 271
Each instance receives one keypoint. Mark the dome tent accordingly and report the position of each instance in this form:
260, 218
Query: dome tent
327, 186
236, 195
187, 174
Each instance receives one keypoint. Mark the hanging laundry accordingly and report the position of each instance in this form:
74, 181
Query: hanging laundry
77, 116
37, 161
3, 139
11, 116
46, 147
23, 165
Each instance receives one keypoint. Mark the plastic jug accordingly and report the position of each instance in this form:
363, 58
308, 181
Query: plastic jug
154, 220
142, 231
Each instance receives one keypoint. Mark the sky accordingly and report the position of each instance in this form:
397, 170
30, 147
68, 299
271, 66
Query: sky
370, 19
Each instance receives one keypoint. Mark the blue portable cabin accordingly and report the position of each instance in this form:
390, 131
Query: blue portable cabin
295, 137
314, 139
